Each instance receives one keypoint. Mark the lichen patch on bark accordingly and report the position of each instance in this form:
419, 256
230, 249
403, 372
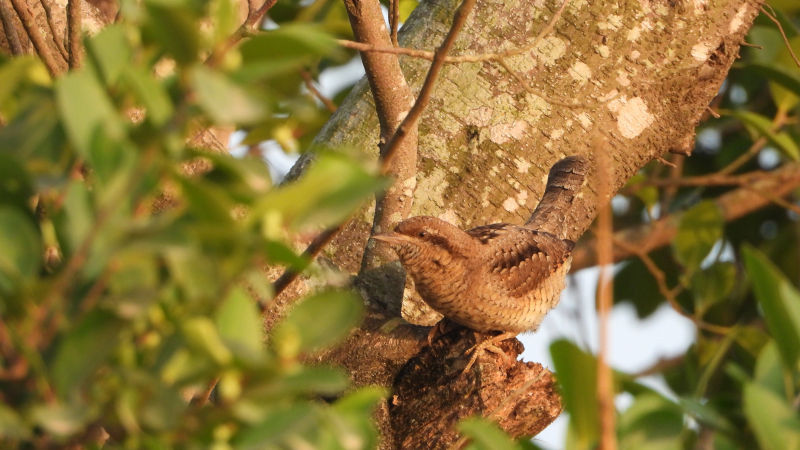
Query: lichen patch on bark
632, 116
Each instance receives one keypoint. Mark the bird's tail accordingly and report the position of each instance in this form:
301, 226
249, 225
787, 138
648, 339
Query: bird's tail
563, 185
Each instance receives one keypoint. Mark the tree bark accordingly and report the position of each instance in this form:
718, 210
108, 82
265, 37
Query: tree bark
637, 76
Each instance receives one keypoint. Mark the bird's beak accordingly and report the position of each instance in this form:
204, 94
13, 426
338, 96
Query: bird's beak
390, 238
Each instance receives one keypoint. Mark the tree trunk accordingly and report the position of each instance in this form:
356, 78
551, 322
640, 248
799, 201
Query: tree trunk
629, 78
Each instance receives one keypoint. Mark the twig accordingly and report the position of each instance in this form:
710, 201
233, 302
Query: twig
253, 17
74, 31
59, 41
394, 20
733, 204
391, 146
424, 54
10, 30
670, 294
783, 34
316, 93
777, 122
748, 44
38, 41
605, 289
427, 87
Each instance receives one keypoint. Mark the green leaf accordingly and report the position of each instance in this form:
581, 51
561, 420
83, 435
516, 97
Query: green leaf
61, 420
76, 217
317, 321
486, 435
317, 380
774, 421
762, 126
239, 323
12, 427
651, 422
331, 189
111, 51
173, 27
712, 285
20, 246
779, 301
85, 108
786, 77
151, 93
406, 7
14, 73
576, 372
83, 350
278, 422
769, 372
285, 49
202, 336
225, 101
699, 229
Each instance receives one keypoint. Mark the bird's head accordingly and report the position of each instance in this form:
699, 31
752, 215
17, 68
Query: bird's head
426, 240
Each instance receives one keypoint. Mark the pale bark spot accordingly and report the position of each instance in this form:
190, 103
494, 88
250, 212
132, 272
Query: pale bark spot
522, 197
622, 78
480, 117
402, 115
555, 134
611, 94
632, 116
522, 165
634, 33
580, 72
585, 120
613, 22
738, 19
450, 216
510, 205
549, 50
504, 132
702, 50
635, 55
603, 50
430, 191
699, 6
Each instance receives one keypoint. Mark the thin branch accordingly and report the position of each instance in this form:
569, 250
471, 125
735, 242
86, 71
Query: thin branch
59, 41
38, 41
10, 30
605, 297
248, 27
316, 93
391, 146
74, 31
427, 87
394, 21
670, 294
733, 205
783, 34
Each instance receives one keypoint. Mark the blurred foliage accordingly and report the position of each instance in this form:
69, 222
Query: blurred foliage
118, 313
738, 384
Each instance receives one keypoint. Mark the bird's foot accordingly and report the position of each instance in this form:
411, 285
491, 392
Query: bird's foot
489, 345
440, 329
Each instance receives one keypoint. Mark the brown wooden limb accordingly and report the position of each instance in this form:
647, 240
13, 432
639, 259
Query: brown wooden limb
394, 21
35, 36
309, 82
733, 204
58, 38
10, 29
393, 100
74, 32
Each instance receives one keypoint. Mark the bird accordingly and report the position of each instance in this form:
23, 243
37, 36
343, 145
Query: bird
499, 277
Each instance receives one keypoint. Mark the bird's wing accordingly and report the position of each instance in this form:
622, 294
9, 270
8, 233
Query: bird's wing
519, 258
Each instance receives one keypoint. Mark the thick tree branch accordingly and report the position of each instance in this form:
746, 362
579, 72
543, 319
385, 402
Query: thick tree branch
10, 29
35, 36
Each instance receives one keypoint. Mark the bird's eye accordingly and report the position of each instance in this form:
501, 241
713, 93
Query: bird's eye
422, 234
